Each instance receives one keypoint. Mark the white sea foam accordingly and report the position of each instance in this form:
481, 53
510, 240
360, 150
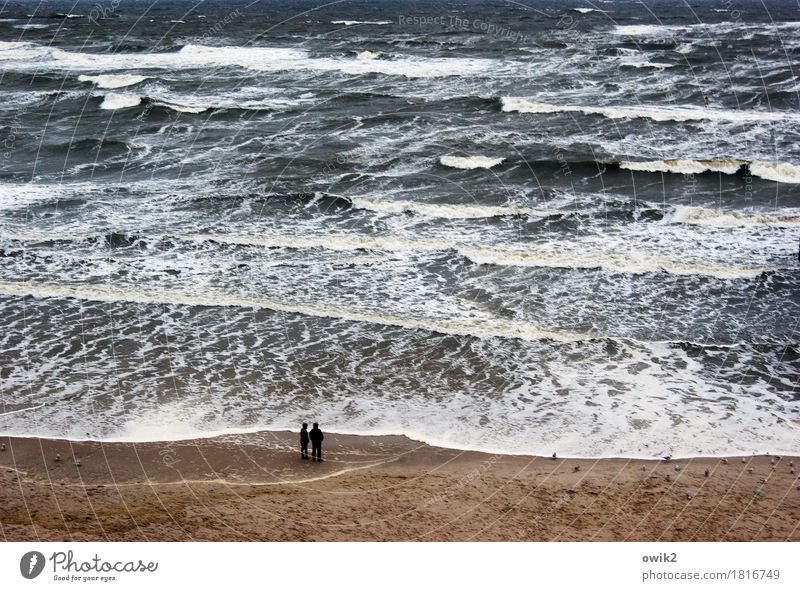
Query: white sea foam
351, 23
721, 218
552, 255
481, 327
685, 166
256, 58
9, 45
654, 30
634, 263
113, 80
654, 112
366, 54
448, 210
339, 242
645, 30
781, 172
114, 100
470, 162
182, 108
16, 195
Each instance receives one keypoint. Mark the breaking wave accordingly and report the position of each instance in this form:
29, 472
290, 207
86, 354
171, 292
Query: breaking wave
448, 210
654, 112
780, 172
111, 81
485, 327
528, 256
716, 217
470, 162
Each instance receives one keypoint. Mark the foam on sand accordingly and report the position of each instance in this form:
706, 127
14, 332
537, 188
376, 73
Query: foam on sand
470, 162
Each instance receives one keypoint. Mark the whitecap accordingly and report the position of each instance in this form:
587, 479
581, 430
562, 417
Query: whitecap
447, 210
780, 172
684, 166
729, 219
113, 80
351, 23
113, 101
470, 162
654, 112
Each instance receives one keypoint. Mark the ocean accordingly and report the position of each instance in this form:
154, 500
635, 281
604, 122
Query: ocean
514, 227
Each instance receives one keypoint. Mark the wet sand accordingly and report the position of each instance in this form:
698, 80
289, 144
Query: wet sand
256, 487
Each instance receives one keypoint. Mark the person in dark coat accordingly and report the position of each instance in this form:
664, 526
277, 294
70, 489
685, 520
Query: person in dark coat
304, 441
316, 443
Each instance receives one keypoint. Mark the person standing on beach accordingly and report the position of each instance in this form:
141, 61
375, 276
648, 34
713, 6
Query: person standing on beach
304, 442
316, 443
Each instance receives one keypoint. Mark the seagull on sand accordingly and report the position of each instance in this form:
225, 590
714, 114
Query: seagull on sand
724, 461
677, 468
2, 447
750, 470
668, 458
744, 461
644, 468
554, 455
78, 462
689, 495
57, 458
707, 472
61, 482
577, 469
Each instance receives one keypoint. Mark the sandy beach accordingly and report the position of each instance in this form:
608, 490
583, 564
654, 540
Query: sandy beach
256, 487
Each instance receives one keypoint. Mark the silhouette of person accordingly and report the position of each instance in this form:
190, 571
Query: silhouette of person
316, 443
705, 100
304, 442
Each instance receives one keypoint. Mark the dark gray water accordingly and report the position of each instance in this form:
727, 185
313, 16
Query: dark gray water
483, 224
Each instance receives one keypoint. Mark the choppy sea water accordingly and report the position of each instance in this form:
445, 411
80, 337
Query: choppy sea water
482, 224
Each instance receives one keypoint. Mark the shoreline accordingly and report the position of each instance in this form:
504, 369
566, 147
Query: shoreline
255, 487
228, 434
